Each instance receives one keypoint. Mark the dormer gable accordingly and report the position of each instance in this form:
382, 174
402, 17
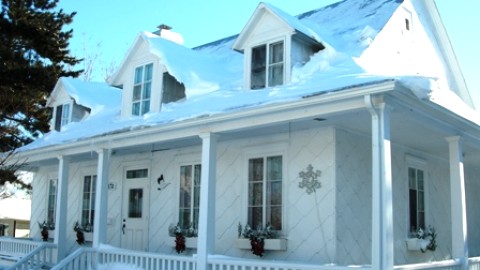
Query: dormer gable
157, 71
273, 42
73, 100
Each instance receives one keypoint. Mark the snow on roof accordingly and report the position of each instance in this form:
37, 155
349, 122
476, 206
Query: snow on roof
15, 208
349, 25
295, 23
200, 72
93, 95
213, 73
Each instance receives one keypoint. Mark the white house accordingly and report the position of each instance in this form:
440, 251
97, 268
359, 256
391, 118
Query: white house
346, 129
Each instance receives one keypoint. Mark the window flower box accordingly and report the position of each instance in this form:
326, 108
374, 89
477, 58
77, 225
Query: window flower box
190, 242
88, 236
270, 244
416, 244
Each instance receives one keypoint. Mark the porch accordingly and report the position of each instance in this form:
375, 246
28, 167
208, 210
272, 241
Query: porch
40, 255
370, 116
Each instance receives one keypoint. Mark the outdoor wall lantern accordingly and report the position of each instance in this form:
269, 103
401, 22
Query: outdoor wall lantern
161, 182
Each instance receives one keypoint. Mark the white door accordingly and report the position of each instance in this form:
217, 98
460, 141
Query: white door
135, 204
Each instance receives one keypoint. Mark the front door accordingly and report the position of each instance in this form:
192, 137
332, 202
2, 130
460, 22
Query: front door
135, 211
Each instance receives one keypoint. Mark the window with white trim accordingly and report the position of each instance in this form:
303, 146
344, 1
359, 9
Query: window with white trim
265, 176
416, 199
51, 202
267, 65
62, 116
88, 202
142, 88
189, 204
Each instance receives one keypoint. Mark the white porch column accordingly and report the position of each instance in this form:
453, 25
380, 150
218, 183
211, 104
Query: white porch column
457, 197
382, 208
61, 207
206, 219
101, 198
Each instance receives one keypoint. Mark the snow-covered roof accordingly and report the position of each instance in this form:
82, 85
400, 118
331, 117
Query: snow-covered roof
213, 73
93, 95
15, 208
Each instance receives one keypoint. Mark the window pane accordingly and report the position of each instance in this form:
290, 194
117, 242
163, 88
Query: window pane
147, 90
255, 217
136, 92
276, 52
413, 209
145, 106
140, 173
275, 75
275, 193
52, 201
135, 203
421, 200
258, 74
274, 168
421, 220
136, 109
275, 217
185, 186
184, 218
148, 72
255, 194
412, 179
138, 75
255, 169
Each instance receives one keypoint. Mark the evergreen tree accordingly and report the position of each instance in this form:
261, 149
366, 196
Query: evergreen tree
33, 55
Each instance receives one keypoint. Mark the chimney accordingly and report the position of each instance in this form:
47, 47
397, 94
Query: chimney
164, 31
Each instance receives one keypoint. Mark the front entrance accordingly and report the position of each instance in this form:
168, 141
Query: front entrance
135, 209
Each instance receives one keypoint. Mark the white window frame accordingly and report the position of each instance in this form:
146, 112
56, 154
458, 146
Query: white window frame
268, 65
265, 152
143, 84
417, 164
91, 202
193, 220
65, 117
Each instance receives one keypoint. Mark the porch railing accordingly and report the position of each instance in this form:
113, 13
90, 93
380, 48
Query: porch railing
474, 263
40, 258
90, 258
227, 263
441, 265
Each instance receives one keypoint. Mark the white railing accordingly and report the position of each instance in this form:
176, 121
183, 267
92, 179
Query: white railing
441, 265
82, 258
90, 258
17, 246
39, 258
227, 263
474, 263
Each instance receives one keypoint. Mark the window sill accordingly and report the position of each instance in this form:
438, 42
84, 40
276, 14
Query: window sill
190, 242
415, 244
270, 244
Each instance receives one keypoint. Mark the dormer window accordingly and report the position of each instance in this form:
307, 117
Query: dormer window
267, 67
142, 90
172, 90
62, 116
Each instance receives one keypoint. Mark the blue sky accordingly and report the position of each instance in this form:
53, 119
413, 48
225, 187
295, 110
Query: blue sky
108, 27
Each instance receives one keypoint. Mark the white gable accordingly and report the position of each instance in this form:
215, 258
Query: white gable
414, 51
